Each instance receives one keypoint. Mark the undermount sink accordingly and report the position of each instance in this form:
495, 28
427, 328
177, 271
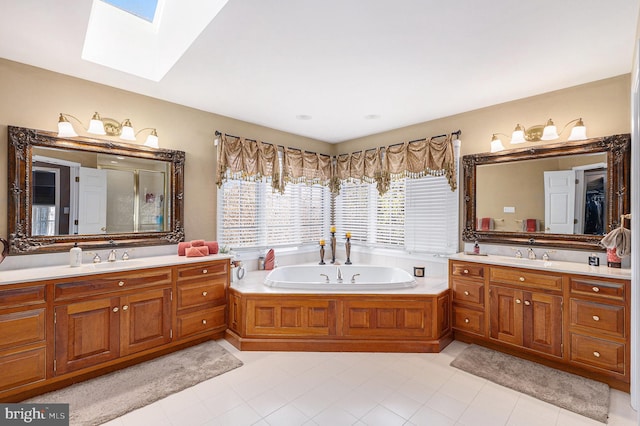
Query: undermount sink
115, 265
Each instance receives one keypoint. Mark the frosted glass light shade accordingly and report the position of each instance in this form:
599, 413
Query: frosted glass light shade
496, 144
518, 135
152, 140
579, 131
96, 126
65, 129
550, 132
127, 131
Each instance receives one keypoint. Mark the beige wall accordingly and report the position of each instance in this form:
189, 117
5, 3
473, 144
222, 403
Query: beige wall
32, 97
604, 105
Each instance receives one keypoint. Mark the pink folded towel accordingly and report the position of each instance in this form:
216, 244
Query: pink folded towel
485, 224
182, 247
197, 243
270, 260
196, 251
531, 225
213, 246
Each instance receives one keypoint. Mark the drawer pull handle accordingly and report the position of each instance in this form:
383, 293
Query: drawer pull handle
466, 320
204, 271
518, 301
596, 354
596, 318
595, 289
204, 293
204, 322
115, 309
125, 307
466, 271
121, 284
526, 302
521, 279
466, 293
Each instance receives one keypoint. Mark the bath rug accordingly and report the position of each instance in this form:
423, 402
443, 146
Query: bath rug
569, 391
104, 398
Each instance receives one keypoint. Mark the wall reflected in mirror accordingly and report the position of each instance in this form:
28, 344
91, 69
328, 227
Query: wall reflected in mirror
555, 195
86, 193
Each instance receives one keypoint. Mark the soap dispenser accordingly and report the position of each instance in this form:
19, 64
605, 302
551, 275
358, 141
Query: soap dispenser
75, 256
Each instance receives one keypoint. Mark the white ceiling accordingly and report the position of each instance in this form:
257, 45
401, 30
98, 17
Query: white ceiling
338, 61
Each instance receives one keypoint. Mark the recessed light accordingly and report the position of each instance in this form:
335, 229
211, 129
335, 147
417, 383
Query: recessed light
371, 117
303, 117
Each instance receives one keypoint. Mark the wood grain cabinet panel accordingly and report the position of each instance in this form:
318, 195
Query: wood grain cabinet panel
22, 368
598, 316
201, 293
200, 321
594, 287
469, 320
22, 296
601, 353
145, 320
389, 318
468, 292
22, 327
525, 278
290, 317
466, 270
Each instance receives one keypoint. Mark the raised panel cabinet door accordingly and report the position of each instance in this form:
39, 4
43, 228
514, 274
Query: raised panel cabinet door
145, 320
291, 317
388, 318
543, 322
87, 333
505, 314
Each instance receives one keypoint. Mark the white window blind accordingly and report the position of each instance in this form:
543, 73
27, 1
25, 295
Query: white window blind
251, 215
418, 215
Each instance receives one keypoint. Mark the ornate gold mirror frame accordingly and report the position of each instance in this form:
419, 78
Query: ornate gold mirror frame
618, 194
21, 143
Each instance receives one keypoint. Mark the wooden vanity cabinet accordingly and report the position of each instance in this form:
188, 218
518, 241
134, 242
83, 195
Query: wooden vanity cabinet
109, 316
467, 281
578, 323
201, 298
23, 333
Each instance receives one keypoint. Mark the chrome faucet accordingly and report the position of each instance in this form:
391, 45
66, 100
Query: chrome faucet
518, 254
326, 278
112, 256
532, 254
339, 276
353, 278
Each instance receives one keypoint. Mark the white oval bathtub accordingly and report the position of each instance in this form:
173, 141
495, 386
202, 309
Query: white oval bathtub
354, 278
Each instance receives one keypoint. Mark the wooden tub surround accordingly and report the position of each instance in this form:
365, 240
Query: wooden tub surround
567, 316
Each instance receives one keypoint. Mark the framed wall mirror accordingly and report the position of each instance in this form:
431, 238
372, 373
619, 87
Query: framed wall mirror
565, 195
94, 192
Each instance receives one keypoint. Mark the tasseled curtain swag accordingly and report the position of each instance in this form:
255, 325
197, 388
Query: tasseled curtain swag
240, 158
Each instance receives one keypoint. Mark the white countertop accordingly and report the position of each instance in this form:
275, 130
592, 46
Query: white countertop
550, 265
65, 271
253, 283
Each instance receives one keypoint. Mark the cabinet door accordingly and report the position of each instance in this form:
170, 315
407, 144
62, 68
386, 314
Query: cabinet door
505, 314
86, 334
543, 322
145, 320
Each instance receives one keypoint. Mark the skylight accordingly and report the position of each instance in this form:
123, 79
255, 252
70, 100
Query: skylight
145, 9
147, 48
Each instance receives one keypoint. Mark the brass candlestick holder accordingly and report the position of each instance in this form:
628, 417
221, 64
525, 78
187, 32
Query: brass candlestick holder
347, 247
321, 254
333, 247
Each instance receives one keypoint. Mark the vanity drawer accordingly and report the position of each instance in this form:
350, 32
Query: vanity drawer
598, 288
200, 293
112, 282
467, 270
21, 328
468, 320
202, 270
201, 321
468, 291
598, 316
598, 353
22, 368
525, 277
22, 296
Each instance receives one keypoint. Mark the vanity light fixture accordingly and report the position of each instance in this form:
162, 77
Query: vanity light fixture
539, 132
105, 126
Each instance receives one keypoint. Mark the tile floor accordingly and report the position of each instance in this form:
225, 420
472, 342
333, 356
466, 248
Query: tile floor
312, 388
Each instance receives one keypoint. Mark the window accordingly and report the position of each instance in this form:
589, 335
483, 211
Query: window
251, 215
417, 215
